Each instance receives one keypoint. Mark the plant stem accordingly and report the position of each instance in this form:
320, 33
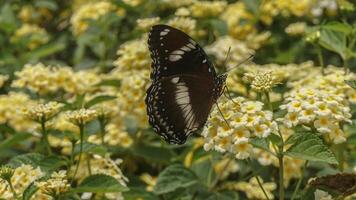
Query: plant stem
268, 101
281, 176
45, 136
299, 181
258, 179
12, 189
280, 156
81, 132
321, 60
102, 129
344, 64
89, 166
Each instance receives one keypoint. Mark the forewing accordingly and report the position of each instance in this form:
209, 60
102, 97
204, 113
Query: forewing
173, 52
179, 105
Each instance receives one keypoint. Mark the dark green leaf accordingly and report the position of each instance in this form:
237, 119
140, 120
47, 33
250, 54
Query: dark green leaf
204, 169
14, 139
99, 99
219, 25
174, 177
261, 143
308, 146
29, 191
52, 163
153, 153
351, 83
90, 148
275, 139
110, 82
100, 183
28, 159
253, 5
138, 193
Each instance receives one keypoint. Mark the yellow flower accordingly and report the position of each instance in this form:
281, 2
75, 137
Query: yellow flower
133, 3
146, 23
56, 185
239, 51
254, 191
102, 165
149, 180
185, 24
6, 173
247, 119
91, 10
239, 20
34, 35
130, 57
10, 111
22, 177
42, 111
3, 79
297, 28
207, 8
81, 117
262, 81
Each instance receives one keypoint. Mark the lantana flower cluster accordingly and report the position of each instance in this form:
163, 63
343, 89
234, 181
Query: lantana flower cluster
44, 79
244, 120
317, 109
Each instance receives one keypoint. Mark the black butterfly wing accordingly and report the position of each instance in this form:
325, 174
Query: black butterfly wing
179, 105
173, 52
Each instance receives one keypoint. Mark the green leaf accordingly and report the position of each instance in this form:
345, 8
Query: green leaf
14, 139
52, 163
338, 27
28, 159
253, 5
351, 83
90, 148
275, 139
229, 195
333, 37
99, 99
204, 169
139, 193
100, 183
308, 146
46, 164
153, 153
174, 177
261, 143
110, 82
219, 25
29, 191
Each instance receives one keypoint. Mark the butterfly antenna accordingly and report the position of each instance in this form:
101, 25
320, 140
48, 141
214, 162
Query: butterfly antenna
242, 62
227, 58
223, 115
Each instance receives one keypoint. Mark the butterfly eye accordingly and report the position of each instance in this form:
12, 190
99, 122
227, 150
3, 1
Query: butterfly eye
184, 84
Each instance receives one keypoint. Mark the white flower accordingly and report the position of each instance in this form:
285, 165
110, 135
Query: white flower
291, 120
294, 106
251, 106
262, 130
240, 133
239, 120
223, 144
252, 120
322, 109
306, 116
323, 124
242, 148
337, 135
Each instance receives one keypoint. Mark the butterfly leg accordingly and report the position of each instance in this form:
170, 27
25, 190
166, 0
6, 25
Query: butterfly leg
223, 115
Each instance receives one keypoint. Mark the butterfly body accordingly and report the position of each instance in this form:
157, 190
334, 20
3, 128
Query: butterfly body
184, 85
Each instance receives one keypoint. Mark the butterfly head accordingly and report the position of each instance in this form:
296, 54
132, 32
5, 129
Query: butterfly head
219, 85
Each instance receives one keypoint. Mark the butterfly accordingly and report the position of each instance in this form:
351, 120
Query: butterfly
184, 85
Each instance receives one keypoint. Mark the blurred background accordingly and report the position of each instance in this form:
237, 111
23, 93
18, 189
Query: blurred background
94, 55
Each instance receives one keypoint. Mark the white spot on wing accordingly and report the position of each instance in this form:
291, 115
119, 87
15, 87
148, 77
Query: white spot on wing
178, 52
175, 80
174, 58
